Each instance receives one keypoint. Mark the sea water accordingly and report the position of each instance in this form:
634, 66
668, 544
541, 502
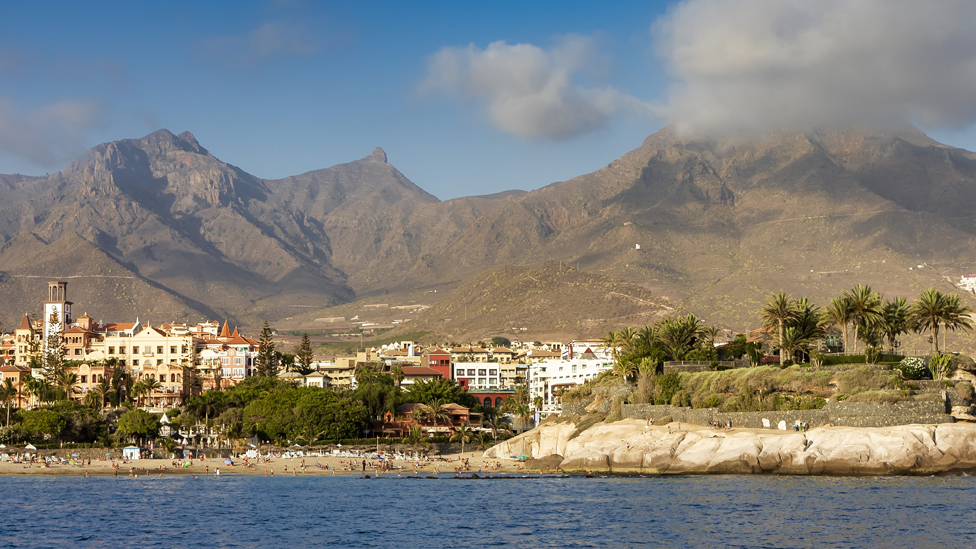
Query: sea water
391, 512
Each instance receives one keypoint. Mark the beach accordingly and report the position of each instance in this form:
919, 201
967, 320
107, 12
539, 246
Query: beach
446, 464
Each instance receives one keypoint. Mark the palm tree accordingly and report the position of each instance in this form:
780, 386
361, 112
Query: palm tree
438, 412
927, 313
956, 315
611, 341
624, 369
103, 389
865, 308
794, 340
894, 320
67, 381
838, 313
627, 338
136, 392
32, 386
462, 433
150, 386
537, 402
679, 335
711, 332
496, 425
397, 374
7, 394
778, 311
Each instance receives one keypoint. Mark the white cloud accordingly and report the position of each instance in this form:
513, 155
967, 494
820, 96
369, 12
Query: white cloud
760, 65
528, 91
271, 40
48, 134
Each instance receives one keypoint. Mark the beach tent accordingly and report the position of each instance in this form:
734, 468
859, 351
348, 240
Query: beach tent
130, 452
30, 446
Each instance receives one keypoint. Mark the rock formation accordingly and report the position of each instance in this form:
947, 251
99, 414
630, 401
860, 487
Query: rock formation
630, 446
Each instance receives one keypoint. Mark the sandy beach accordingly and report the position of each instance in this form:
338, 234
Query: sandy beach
444, 465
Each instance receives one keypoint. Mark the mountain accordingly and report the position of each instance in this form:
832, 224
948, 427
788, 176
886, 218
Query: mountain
707, 225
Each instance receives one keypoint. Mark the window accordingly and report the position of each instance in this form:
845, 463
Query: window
77, 351
238, 361
492, 372
172, 350
185, 349
159, 349
225, 372
225, 361
84, 379
159, 362
135, 350
238, 372
135, 362
481, 372
111, 350
574, 368
471, 372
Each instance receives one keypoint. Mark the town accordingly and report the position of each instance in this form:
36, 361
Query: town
159, 368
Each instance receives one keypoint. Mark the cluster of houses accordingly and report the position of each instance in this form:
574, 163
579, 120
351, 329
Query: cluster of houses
164, 355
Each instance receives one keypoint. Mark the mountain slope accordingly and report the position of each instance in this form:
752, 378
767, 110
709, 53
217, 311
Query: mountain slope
709, 225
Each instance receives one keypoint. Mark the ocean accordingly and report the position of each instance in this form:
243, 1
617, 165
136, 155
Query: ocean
325, 511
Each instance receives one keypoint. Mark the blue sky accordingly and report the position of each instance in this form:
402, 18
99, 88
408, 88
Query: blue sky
466, 98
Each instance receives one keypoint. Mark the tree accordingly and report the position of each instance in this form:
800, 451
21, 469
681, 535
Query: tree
865, 308
612, 342
67, 381
138, 424
838, 313
927, 313
103, 389
463, 434
151, 385
305, 355
266, 359
398, 376
793, 341
7, 394
47, 423
624, 369
778, 311
956, 315
54, 354
438, 412
32, 386
499, 341
679, 335
895, 316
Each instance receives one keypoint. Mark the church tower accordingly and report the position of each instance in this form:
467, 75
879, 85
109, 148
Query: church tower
57, 309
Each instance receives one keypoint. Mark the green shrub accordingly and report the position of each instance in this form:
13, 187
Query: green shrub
911, 367
940, 366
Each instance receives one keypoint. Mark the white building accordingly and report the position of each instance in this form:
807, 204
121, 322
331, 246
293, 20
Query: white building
478, 375
580, 362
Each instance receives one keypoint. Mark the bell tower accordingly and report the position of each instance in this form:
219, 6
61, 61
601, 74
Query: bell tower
57, 309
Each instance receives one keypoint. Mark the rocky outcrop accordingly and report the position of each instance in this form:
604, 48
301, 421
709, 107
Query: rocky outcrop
630, 446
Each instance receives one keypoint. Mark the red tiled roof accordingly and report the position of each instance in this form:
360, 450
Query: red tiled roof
25, 325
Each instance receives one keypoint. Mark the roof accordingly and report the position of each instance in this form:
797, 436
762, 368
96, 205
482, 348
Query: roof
502, 350
25, 325
225, 331
409, 407
412, 371
454, 407
437, 351
15, 368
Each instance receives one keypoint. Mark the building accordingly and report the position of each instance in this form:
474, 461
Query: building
16, 373
227, 359
478, 375
439, 360
550, 378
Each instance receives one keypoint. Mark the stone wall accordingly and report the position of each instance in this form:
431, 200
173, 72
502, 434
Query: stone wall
575, 408
686, 366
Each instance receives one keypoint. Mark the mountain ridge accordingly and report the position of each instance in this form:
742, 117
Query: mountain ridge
712, 225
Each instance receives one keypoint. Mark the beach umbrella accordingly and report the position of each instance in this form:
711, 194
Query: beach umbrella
228, 461
30, 446
74, 455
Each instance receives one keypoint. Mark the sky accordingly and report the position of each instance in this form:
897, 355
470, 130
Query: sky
470, 98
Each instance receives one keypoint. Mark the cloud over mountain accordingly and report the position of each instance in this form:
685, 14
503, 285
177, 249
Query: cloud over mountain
759, 65
47, 134
529, 91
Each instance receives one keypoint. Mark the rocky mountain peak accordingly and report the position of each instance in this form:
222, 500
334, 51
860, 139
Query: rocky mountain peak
378, 155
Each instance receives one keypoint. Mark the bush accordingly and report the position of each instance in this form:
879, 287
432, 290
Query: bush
871, 355
911, 368
940, 366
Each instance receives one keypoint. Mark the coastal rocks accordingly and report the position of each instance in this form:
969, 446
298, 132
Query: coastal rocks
631, 446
